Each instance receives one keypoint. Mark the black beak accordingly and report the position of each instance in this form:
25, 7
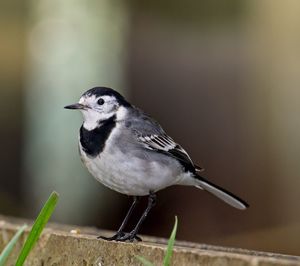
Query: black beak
75, 106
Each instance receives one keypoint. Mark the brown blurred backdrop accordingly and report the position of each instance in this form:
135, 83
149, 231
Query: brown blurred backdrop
221, 77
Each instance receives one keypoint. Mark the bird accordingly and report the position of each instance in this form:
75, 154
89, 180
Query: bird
129, 152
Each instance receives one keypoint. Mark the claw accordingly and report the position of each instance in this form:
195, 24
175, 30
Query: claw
116, 237
129, 237
122, 237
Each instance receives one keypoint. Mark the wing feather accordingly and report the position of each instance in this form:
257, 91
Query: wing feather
152, 136
165, 144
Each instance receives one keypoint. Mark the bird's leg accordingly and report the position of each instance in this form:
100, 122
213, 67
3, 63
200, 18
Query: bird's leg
120, 232
133, 234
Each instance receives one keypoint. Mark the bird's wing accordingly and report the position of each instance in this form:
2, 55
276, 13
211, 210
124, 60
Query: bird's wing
149, 133
166, 145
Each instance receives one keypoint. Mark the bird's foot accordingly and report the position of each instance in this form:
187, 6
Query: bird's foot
114, 237
122, 237
129, 237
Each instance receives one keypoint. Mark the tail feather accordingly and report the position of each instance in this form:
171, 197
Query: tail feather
221, 193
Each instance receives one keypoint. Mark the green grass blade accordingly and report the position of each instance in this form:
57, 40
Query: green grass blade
144, 261
38, 227
9, 247
167, 258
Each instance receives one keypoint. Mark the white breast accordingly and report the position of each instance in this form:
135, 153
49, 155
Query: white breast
128, 174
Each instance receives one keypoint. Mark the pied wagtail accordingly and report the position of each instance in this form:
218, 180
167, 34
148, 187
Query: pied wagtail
129, 152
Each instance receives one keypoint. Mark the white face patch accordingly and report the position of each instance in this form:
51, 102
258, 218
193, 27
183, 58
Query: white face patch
96, 111
121, 113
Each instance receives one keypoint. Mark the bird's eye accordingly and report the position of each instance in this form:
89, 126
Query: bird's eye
100, 101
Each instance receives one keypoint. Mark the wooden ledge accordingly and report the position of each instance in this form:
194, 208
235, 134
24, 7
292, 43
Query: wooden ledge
71, 245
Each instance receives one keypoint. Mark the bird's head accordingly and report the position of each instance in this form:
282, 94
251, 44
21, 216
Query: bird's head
99, 104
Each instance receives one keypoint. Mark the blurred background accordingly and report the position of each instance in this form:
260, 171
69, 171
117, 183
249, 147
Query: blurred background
222, 77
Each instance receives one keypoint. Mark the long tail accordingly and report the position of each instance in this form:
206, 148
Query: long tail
221, 193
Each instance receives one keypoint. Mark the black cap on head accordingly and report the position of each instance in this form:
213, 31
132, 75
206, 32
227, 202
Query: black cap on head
102, 91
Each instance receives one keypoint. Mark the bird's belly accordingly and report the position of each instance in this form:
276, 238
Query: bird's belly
132, 176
